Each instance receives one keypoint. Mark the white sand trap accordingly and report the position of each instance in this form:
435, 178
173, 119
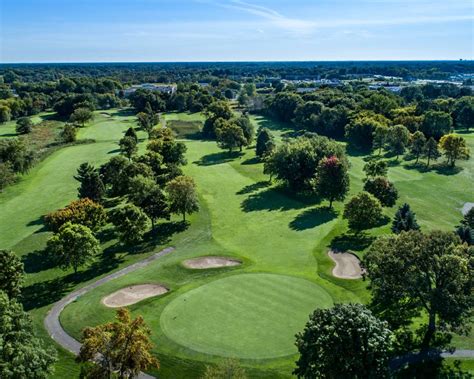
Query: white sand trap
466, 208
211, 262
347, 265
133, 294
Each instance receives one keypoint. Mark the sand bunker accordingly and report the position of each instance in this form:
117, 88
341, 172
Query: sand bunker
466, 208
133, 294
211, 262
347, 265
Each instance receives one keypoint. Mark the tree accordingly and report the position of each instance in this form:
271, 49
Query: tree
296, 161
383, 190
466, 234
244, 123
404, 220
121, 347
284, 105
216, 110
131, 133
454, 148
92, 186
263, 137
22, 354
227, 368
73, 246
131, 223
397, 139
346, 341
83, 211
418, 143
155, 205
24, 125
360, 130
82, 116
464, 112
363, 211
414, 273
182, 196
468, 218
147, 121
375, 168
5, 114
11, 273
115, 175
229, 136
68, 134
332, 180
7, 176
380, 134
128, 147
436, 124
431, 151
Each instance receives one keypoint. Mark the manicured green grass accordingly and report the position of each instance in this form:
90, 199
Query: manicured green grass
242, 215
252, 316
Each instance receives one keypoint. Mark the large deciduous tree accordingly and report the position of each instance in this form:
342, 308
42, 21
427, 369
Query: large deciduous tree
436, 124
11, 273
22, 354
417, 144
230, 135
414, 274
128, 146
363, 211
263, 138
464, 112
346, 341
382, 189
82, 116
332, 179
431, 151
122, 347
397, 139
182, 196
131, 223
73, 246
454, 148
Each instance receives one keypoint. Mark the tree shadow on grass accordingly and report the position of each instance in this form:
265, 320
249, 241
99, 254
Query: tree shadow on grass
40, 294
37, 261
312, 218
218, 158
270, 200
250, 161
252, 187
355, 242
114, 151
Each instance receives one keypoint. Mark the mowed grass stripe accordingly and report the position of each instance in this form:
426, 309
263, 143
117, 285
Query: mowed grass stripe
250, 316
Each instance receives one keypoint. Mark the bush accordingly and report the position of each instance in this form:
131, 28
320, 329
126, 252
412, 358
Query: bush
382, 189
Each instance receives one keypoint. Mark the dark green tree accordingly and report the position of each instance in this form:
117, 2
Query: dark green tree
397, 139
92, 186
229, 136
332, 179
463, 113
131, 223
263, 137
128, 147
22, 354
82, 116
132, 133
413, 274
436, 124
346, 341
382, 189
363, 211
431, 151
73, 246
182, 196
24, 125
404, 220
12, 274
284, 105
375, 168
417, 145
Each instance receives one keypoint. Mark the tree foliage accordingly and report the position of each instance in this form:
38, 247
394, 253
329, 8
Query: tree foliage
363, 211
332, 179
91, 186
383, 190
454, 148
182, 196
12, 274
404, 220
121, 347
346, 341
130, 222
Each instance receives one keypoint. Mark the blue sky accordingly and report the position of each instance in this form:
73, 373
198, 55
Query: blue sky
234, 30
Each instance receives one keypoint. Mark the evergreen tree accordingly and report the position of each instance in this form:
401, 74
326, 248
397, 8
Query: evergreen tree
264, 136
132, 133
92, 186
404, 220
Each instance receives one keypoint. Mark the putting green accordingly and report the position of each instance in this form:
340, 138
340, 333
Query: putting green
253, 316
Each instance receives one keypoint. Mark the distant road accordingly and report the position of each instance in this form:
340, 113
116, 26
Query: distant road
52, 324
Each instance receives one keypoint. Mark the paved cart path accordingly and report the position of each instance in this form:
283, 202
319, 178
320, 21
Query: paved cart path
52, 324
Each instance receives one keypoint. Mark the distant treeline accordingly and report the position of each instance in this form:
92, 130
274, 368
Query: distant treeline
173, 72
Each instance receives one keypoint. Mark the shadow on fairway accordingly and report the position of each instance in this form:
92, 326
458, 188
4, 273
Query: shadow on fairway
218, 158
270, 200
356, 242
253, 187
250, 161
37, 261
310, 218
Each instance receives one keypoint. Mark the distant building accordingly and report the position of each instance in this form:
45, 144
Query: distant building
162, 88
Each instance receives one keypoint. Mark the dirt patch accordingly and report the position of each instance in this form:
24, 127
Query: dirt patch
466, 208
347, 265
133, 294
211, 262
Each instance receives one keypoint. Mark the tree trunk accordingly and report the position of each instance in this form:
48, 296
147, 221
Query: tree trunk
330, 203
184, 216
417, 157
428, 162
153, 224
430, 332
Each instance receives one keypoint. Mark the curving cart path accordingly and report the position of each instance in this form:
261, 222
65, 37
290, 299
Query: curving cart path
53, 325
